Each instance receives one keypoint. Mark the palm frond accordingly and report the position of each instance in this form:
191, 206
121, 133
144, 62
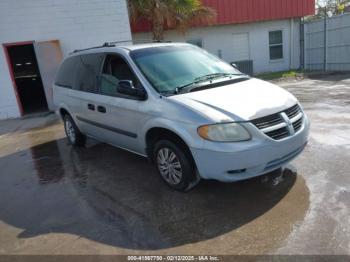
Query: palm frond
179, 14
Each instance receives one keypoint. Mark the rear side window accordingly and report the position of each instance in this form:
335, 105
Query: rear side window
66, 73
88, 72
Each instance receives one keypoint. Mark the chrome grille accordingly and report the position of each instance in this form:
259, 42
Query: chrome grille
282, 124
278, 133
298, 124
267, 121
293, 111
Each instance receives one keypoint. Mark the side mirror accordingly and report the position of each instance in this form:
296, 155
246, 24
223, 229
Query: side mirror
127, 87
234, 66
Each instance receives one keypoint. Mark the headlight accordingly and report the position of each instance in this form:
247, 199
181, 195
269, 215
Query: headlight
230, 132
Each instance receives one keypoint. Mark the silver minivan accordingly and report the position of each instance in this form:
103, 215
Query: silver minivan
192, 114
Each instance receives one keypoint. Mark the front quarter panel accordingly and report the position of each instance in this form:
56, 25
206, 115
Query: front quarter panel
187, 131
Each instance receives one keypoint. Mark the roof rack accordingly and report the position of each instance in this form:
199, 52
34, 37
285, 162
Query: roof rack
113, 44
146, 41
106, 44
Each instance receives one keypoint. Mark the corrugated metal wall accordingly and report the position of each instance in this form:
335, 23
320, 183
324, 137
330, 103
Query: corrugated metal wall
337, 44
238, 11
247, 11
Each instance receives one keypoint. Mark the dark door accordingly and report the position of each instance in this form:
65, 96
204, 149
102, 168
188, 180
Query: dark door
26, 75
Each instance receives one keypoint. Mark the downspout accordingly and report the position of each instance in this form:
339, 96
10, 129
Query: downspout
302, 43
325, 67
291, 44
305, 54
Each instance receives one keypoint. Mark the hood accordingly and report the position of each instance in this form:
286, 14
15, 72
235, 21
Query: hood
241, 101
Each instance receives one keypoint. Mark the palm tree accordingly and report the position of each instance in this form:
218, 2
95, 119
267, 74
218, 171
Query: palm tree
179, 14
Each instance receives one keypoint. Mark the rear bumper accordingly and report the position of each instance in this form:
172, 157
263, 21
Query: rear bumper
253, 159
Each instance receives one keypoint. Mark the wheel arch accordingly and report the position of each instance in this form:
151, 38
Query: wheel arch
155, 134
63, 112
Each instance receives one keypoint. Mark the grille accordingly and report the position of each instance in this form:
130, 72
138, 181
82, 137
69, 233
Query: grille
297, 124
268, 121
279, 133
271, 125
293, 111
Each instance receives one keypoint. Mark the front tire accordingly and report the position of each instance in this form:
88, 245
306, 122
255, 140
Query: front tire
174, 164
74, 136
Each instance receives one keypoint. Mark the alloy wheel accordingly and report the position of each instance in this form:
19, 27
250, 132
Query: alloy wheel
70, 131
169, 166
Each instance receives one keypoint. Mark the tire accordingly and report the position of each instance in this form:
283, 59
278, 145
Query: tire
174, 164
74, 136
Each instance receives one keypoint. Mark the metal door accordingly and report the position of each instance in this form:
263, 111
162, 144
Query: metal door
49, 57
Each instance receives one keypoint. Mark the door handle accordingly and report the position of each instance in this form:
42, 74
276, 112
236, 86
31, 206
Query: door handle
101, 109
91, 107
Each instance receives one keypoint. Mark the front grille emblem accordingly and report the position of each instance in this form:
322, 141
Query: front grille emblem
288, 122
271, 125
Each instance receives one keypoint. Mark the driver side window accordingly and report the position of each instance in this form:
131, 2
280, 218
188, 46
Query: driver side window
115, 69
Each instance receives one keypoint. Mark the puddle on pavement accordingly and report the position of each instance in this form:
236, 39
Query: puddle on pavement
115, 198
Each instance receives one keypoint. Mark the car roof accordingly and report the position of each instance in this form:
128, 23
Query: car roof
117, 47
151, 45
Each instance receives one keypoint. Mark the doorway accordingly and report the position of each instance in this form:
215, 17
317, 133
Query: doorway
26, 76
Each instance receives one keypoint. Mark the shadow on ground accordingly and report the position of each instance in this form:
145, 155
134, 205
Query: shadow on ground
116, 198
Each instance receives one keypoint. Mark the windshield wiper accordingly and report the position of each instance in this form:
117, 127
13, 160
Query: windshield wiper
205, 78
213, 76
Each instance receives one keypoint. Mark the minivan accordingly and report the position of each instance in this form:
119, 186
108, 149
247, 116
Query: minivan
192, 114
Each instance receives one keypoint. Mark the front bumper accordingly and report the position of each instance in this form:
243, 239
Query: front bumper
239, 161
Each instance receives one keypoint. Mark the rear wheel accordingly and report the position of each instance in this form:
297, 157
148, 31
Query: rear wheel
174, 165
74, 136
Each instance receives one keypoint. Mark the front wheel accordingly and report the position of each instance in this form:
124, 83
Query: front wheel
75, 137
174, 165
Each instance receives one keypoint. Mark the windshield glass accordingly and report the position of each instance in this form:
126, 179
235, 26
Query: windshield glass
171, 67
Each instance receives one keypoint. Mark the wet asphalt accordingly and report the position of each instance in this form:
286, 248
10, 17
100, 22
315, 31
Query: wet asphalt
55, 199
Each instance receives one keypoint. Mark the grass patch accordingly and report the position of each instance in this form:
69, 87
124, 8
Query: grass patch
278, 75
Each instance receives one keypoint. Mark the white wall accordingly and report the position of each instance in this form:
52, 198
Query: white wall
75, 23
221, 37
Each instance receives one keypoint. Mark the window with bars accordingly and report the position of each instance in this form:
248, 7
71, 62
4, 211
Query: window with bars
276, 45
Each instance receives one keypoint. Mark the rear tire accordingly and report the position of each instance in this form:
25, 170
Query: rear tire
74, 136
174, 164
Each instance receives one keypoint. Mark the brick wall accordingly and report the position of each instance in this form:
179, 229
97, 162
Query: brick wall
75, 23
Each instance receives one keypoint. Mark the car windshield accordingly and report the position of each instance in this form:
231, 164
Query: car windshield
169, 68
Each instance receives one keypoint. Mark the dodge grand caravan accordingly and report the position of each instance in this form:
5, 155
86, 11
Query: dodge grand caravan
193, 115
